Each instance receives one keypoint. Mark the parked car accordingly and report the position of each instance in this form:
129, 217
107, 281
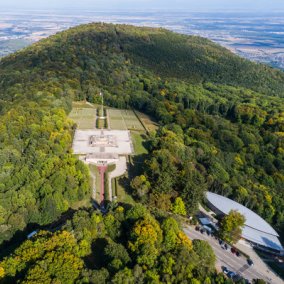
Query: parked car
237, 277
238, 254
225, 270
197, 228
231, 274
250, 262
220, 242
233, 250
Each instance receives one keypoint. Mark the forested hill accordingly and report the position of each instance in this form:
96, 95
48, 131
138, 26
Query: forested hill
168, 54
222, 118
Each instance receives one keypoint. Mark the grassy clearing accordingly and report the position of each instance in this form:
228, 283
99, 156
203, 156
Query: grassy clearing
122, 195
86, 203
84, 114
85, 118
131, 120
101, 123
96, 181
148, 122
116, 119
139, 140
124, 120
82, 104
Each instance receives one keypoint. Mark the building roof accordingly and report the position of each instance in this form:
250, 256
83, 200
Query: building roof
225, 205
256, 229
261, 238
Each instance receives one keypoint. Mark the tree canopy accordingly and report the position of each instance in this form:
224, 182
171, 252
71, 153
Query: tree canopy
231, 226
140, 249
222, 129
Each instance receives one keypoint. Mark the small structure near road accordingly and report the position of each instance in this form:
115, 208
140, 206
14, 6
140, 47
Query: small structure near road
33, 233
208, 225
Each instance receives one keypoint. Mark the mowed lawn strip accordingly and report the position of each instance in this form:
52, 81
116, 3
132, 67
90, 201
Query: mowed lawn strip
83, 104
95, 174
124, 120
84, 117
148, 122
116, 119
131, 120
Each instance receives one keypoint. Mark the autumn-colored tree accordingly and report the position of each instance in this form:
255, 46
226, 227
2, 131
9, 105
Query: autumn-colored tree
145, 240
231, 226
2, 272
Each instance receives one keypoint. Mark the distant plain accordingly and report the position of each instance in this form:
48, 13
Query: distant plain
253, 36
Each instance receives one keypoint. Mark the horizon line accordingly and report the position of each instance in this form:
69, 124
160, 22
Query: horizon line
140, 10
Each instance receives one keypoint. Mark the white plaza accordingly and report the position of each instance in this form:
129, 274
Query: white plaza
102, 141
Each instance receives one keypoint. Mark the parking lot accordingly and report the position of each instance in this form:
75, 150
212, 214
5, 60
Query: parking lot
225, 258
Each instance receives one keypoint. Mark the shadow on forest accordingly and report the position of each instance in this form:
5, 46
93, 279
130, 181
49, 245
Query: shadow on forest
8, 247
137, 166
96, 259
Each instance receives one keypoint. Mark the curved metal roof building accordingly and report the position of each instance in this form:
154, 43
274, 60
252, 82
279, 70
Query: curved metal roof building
256, 229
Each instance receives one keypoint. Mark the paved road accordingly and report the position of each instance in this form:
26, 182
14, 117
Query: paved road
245, 247
227, 259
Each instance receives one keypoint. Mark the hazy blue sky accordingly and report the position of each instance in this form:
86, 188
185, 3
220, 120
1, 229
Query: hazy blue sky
189, 5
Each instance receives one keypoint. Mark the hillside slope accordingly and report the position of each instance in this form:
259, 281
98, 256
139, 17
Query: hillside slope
165, 53
223, 114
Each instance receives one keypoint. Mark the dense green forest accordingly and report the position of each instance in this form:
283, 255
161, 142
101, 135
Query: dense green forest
127, 245
222, 121
39, 177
